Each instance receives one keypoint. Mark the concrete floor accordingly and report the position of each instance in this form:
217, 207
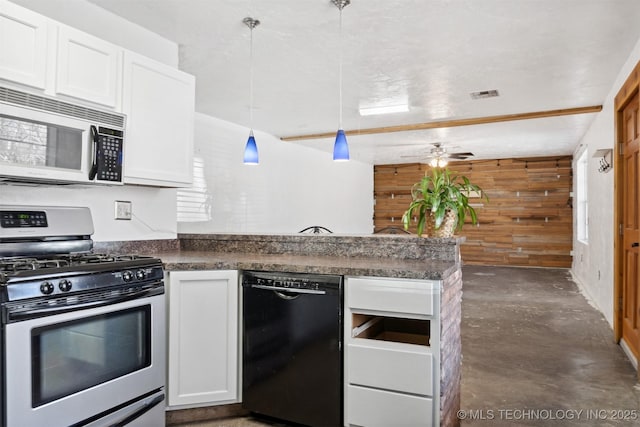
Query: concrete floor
534, 350
535, 353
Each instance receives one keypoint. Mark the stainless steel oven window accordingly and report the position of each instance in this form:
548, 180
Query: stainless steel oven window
32, 143
73, 356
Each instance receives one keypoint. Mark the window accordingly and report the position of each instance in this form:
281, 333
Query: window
194, 203
582, 217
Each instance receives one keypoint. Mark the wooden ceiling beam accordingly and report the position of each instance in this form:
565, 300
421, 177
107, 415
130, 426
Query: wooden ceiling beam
453, 123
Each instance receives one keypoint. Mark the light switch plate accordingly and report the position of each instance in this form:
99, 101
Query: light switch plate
123, 210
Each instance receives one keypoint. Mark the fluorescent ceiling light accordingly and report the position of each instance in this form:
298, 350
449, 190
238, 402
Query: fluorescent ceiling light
371, 111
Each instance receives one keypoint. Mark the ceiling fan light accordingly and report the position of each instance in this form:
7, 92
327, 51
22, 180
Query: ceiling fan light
251, 151
340, 147
438, 162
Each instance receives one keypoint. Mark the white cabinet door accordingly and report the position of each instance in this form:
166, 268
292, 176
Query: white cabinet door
23, 45
203, 337
88, 68
159, 103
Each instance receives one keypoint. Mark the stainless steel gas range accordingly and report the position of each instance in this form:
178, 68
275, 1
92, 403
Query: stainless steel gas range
82, 333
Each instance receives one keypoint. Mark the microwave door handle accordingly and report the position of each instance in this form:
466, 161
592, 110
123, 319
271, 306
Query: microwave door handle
94, 154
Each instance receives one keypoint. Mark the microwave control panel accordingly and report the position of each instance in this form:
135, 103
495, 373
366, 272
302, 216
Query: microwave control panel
109, 149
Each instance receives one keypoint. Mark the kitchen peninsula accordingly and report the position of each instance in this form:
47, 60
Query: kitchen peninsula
387, 262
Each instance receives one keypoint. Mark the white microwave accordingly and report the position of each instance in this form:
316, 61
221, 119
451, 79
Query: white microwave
47, 140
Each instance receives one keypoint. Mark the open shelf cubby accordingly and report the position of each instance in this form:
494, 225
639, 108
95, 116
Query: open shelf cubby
374, 327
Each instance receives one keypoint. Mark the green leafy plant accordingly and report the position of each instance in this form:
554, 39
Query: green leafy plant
438, 193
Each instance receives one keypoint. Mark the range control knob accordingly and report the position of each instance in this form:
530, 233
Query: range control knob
141, 275
64, 285
47, 288
127, 276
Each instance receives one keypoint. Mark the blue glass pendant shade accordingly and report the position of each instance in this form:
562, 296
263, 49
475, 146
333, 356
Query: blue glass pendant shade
251, 151
341, 148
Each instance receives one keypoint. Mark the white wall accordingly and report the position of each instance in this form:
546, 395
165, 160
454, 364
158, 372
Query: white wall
293, 187
593, 262
154, 209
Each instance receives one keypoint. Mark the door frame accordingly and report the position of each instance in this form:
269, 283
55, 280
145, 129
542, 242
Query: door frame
630, 87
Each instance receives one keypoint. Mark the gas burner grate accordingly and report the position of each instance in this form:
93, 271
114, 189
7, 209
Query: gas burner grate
20, 264
13, 265
101, 258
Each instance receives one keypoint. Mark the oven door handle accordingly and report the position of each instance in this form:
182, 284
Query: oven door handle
18, 315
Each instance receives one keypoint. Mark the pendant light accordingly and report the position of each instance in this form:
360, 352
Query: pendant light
251, 149
340, 147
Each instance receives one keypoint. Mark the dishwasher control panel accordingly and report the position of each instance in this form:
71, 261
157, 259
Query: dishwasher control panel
293, 281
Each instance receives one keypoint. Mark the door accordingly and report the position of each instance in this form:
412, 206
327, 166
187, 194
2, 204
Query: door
71, 366
88, 68
159, 103
23, 45
203, 337
630, 226
292, 354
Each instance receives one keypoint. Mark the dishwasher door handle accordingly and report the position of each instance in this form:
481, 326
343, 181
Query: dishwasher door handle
290, 290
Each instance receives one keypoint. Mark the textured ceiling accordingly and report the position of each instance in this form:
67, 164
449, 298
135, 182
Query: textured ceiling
431, 54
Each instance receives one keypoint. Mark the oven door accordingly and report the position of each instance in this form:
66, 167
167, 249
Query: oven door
75, 367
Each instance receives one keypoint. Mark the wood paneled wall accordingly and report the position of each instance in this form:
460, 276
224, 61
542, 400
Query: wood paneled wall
528, 220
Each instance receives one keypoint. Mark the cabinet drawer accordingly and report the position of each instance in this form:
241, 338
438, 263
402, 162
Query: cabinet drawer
400, 296
405, 368
372, 408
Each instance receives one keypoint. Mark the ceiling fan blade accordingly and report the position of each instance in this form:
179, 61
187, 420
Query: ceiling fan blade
460, 155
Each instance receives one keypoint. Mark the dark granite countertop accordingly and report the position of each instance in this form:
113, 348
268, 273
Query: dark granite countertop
369, 255
348, 266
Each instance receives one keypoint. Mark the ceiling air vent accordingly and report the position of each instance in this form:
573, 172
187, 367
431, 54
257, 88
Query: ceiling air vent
485, 94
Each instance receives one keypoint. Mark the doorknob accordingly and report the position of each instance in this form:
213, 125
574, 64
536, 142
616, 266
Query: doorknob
635, 244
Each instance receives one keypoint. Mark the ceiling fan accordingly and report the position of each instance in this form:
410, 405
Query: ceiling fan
439, 156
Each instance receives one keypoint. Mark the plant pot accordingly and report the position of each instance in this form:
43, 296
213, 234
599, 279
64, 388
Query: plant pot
447, 228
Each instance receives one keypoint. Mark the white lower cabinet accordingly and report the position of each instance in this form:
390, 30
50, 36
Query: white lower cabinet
202, 338
392, 352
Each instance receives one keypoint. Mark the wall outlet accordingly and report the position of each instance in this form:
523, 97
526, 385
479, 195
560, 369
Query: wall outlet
123, 210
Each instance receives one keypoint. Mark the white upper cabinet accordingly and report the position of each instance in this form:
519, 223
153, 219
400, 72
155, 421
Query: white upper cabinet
23, 45
88, 68
159, 103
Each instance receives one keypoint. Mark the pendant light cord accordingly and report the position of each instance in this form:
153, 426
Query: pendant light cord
251, 80
340, 72
251, 23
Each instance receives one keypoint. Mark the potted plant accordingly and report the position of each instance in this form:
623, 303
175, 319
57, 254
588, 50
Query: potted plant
440, 201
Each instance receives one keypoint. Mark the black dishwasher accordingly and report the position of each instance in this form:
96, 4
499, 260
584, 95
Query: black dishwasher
292, 346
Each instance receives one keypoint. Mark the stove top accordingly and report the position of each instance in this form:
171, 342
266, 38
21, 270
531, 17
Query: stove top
10, 265
65, 274
46, 253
